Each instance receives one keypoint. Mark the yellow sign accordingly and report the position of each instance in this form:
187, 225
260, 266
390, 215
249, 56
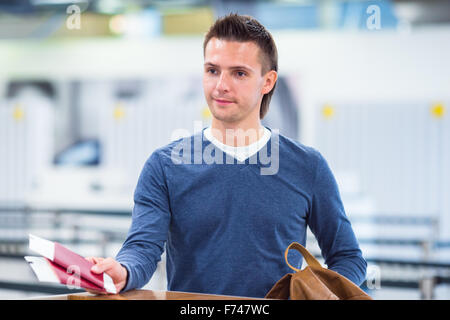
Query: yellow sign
328, 111
18, 112
438, 110
119, 111
206, 114
196, 20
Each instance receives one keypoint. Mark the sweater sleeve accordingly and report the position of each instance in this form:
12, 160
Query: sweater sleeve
147, 235
331, 227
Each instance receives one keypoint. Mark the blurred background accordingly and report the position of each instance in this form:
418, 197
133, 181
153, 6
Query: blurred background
88, 89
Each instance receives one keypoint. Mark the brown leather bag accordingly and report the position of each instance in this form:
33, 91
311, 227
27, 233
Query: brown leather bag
314, 282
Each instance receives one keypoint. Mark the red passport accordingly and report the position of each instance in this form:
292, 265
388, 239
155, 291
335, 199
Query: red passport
61, 265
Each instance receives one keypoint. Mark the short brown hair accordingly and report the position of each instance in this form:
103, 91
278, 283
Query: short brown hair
243, 28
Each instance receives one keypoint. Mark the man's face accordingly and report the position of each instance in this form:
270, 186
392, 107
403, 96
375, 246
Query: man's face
232, 80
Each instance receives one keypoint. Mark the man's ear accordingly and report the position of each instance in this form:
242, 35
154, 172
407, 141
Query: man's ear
269, 81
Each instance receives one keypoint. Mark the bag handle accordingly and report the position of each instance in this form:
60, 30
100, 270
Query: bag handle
309, 258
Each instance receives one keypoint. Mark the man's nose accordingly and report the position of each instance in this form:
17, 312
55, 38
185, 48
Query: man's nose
222, 84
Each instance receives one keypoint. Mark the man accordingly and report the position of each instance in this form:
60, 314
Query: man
224, 220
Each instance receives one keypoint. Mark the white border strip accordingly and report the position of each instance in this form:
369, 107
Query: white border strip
108, 284
44, 247
42, 269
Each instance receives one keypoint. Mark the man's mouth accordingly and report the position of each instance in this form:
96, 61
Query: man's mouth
221, 101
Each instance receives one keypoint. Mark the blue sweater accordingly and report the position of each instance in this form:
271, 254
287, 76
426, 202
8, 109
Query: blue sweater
226, 226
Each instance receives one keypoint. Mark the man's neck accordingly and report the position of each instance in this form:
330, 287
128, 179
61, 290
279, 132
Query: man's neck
236, 134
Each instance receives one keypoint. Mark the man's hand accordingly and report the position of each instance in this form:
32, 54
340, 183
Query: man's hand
114, 269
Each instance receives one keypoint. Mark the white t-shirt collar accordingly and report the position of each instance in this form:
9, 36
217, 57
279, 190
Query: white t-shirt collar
239, 153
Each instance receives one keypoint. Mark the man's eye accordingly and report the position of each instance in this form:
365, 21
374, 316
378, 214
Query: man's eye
241, 73
212, 71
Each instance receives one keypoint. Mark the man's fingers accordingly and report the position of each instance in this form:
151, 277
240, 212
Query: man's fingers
100, 265
94, 260
103, 265
91, 259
